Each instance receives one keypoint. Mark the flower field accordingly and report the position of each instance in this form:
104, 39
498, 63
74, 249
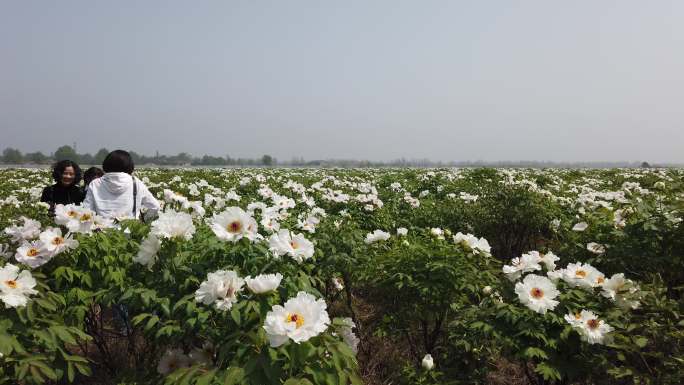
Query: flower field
365, 276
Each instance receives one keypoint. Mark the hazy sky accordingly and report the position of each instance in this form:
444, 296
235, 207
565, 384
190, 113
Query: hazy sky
446, 80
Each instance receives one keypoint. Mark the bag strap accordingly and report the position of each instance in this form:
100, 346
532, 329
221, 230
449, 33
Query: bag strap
135, 197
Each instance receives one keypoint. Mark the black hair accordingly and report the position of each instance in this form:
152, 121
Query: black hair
118, 161
90, 174
58, 170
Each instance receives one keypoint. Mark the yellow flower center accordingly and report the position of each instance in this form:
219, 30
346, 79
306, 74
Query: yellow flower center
11, 283
580, 273
537, 293
86, 217
32, 252
296, 318
72, 214
57, 241
294, 244
600, 280
234, 227
593, 323
578, 316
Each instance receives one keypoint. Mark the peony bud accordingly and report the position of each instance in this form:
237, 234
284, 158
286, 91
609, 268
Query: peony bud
428, 363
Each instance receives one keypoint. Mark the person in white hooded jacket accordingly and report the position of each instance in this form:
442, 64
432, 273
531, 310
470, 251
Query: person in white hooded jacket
118, 194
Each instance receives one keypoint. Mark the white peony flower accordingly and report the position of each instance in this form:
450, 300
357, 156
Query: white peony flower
619, 220
348, 335
5, 251
414, 202
549, 260
482, 245
171, 196
582, 275
437, 232
596, 248
338, 283
375, 236
300, 319
234, 224
32, 254
66, 213
590, 328
193, 190
29, 229
428, 363
555, 275
55, 243
147, 254
101, 223
263, 283
525, 264
402, 231
270, 223
284, 242
580, 226
283, 202
309, 224
172, 224
471, 242
537, 293
196, 208
171, 361
468, 198
76, 218
220, 288
233, 196
15, 286
621, 290
575, 320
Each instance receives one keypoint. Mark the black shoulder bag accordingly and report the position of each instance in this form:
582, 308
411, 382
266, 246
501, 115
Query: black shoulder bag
135, 198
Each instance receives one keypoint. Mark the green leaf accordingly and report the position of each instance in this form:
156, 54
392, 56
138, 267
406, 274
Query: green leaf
151, 322
71, 372
206, 378
235, 314
532, 352
547, 371
641, 341
139, 318
297, 381
233, 376
63, 333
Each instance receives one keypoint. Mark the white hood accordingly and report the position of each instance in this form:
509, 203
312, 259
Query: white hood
117, 183
112, 196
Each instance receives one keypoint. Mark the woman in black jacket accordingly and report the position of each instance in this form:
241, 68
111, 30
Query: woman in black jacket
66, 190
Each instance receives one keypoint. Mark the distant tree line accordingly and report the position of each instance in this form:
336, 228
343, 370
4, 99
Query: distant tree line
14, 156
